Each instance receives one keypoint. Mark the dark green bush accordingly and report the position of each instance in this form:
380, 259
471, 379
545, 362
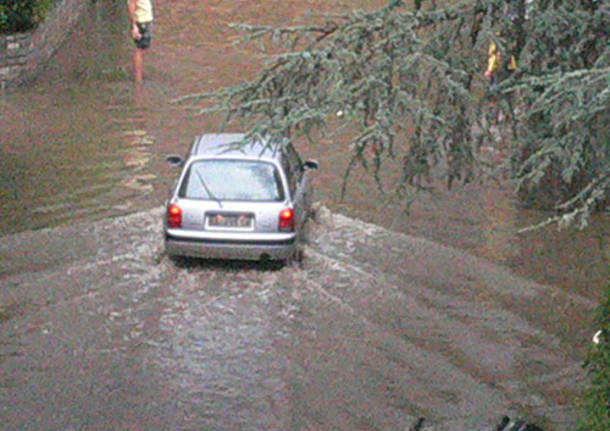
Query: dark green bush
22, 15
596, 403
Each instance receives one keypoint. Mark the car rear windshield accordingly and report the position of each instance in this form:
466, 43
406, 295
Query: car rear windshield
243, 180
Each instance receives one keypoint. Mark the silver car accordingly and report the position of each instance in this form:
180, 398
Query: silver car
235, 201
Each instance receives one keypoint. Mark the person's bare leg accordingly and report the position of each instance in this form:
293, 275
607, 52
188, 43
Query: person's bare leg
138, 65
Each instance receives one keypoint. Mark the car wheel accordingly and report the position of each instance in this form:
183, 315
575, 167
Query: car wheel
296, 259
178, 261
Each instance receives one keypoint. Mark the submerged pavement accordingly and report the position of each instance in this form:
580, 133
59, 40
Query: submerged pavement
99, 331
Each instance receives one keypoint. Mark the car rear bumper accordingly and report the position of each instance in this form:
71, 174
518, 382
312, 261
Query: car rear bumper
230, 248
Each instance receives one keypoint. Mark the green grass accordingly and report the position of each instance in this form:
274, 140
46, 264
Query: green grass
595, 405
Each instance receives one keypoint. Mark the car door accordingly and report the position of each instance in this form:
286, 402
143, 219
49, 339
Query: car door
302, 186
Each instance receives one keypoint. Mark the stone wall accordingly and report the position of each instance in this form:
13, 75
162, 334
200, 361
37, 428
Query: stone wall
22, 54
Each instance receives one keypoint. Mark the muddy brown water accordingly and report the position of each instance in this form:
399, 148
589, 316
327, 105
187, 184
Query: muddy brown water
75, 144
375, 329
117, 326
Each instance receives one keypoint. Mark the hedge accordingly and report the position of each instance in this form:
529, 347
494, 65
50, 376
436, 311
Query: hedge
22, 15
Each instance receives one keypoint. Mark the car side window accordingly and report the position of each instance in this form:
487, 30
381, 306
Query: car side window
290, 175
295, 161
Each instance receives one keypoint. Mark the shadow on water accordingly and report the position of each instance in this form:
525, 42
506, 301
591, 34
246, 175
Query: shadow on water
95, 50
195, 264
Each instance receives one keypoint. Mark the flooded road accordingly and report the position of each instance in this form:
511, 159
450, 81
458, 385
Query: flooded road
62, 142
375, 330
111, 335
76, 145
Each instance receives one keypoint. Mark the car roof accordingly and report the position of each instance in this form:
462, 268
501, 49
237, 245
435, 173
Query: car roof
220, 144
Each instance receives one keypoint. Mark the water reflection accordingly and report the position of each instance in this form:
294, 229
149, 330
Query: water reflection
73, 145
499, 232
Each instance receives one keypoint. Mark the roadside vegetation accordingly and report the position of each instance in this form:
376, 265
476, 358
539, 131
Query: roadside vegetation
405, 83
596, 403
18, 16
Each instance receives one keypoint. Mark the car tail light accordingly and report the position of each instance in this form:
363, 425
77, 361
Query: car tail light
287, 220
174, 216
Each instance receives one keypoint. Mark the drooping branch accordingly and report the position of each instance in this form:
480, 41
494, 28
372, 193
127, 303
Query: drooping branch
409, 84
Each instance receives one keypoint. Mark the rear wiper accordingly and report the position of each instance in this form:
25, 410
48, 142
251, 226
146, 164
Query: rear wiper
207, 190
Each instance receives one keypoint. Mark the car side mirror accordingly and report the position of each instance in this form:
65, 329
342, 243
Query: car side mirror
311, 164
174, 160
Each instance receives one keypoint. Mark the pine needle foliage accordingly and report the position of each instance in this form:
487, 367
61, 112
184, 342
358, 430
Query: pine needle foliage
406, 82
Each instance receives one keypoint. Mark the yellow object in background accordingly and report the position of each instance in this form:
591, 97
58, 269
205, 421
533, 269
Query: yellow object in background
495, 59
493, 62
513, 63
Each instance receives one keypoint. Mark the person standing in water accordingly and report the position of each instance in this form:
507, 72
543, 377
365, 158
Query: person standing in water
141, 18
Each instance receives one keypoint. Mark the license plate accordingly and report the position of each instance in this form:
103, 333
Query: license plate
243, 221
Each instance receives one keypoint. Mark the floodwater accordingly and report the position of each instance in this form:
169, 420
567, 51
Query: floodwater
72, 144
375, 329
100, 331
77, 145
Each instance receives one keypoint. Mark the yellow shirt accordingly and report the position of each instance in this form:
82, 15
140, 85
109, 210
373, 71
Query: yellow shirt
144, 10
493, 61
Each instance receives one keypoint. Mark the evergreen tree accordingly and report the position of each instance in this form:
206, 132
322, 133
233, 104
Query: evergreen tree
406, 82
